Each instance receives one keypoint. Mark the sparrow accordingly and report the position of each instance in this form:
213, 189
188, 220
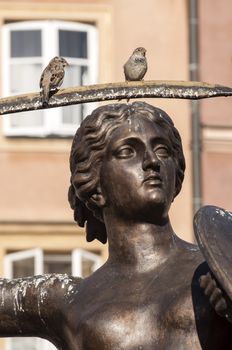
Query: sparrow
136, 66
52, 77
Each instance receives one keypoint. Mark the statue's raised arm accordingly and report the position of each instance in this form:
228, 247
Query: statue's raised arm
35, 306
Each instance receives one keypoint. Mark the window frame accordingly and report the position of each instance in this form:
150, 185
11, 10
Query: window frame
52, 117
78, 255
9, 259
35, 253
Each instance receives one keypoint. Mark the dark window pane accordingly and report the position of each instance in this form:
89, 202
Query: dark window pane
57, 263
25, 43
23, 268
73, 44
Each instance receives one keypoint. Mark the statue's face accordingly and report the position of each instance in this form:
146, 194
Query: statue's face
138, 171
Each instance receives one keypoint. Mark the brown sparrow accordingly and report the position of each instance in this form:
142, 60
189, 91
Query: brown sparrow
52, 77
136, 66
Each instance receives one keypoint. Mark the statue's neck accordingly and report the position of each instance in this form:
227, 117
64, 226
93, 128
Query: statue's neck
141, 246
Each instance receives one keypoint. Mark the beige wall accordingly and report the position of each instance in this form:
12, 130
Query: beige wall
215, 57
217, 178
215, 26
34, 186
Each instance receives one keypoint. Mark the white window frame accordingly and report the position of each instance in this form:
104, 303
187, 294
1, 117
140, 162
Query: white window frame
78, 255
9, 259
52, 117
36, 253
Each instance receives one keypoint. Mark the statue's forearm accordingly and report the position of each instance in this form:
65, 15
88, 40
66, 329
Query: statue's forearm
32, 306
20, 302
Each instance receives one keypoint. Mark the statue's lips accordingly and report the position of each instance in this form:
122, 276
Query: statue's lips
153, 179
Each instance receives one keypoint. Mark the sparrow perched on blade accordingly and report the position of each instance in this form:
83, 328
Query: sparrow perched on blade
52, 77
136, 66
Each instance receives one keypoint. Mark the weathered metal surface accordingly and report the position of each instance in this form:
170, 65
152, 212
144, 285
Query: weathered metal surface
213, 231
115, 91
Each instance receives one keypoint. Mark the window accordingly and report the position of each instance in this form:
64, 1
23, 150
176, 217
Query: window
22, 264
27, 49
36, 262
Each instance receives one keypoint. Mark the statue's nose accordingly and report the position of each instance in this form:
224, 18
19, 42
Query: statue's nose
151, 160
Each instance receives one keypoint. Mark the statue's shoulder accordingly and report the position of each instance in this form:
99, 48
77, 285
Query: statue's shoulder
188, 249
188, 256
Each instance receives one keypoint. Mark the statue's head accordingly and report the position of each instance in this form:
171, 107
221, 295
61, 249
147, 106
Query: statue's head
88, 152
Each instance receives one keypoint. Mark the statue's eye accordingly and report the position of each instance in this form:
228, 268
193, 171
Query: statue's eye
125, 151
162, 151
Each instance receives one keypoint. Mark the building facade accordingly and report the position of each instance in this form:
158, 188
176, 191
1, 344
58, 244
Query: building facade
37, 231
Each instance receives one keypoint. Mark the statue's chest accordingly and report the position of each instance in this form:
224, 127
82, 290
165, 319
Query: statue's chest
135, 324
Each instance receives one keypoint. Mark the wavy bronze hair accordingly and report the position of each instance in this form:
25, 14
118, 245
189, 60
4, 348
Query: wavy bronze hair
88, 149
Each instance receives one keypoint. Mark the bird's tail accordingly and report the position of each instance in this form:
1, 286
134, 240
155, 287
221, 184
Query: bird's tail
45, 95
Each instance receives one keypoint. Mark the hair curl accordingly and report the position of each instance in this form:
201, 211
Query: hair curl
88, 149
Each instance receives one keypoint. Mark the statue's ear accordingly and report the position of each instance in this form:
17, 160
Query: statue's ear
97, 198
